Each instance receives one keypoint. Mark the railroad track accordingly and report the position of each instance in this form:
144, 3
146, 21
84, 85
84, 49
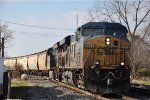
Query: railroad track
140, 88
101, 97
95, 96
98, 96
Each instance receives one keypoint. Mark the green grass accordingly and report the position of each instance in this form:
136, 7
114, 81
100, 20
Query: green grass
144, 71
18, 84
19, 90
145, 82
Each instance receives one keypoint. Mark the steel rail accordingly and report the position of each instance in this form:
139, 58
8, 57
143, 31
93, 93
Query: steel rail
78, 90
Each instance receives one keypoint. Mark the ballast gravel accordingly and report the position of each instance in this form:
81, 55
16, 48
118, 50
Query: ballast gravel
46, 90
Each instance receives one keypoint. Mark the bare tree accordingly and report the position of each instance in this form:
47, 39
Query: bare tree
146, 33
6, 33
123, 11
132, 13
142, 53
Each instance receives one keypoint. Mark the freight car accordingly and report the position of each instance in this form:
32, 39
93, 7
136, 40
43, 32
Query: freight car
96, 58
23, 62
11, 62
30, 64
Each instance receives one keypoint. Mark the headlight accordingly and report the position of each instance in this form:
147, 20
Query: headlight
97, 62
107, 43
107, 40
122, 63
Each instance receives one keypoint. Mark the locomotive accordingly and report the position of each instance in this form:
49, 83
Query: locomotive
96, 58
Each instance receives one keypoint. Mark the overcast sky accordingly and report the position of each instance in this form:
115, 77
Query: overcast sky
47, 13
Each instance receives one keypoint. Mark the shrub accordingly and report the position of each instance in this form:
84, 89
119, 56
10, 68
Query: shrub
144, 71
16, 73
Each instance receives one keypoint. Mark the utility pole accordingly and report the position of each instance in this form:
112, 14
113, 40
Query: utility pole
0, 43
77, 21
2, 47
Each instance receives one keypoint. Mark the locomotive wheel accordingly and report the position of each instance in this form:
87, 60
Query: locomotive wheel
90, 81
54, 75
76, 78
63, 77
60, 76
91, 86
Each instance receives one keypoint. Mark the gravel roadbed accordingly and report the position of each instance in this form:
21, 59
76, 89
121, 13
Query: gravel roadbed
47, 90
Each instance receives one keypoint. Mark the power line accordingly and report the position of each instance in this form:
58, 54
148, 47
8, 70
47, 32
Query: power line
38, 33
35, 26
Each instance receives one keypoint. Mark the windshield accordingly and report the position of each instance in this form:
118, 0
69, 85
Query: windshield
119, 33
93, 32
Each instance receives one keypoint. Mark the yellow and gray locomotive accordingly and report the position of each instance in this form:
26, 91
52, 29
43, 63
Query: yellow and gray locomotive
96, 58
106, 58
